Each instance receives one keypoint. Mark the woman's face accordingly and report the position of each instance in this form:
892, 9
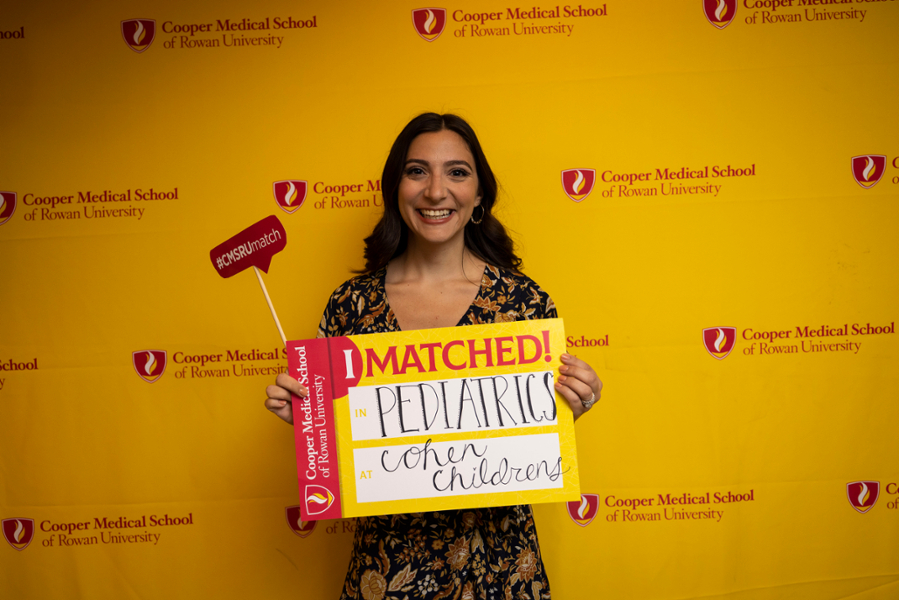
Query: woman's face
439, 188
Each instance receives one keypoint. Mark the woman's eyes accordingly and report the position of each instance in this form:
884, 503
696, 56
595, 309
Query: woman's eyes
459, 172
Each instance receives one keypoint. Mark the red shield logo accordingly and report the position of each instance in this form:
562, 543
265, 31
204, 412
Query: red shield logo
289, 194
578, 183
868, 169
719, 341
318, 499
139, 33
296, 523
863, 494
719, 12
149, 364
7, 206
18, 532
584, 512
429, 22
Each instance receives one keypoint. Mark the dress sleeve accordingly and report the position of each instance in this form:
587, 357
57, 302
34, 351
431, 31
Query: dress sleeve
336, 318
539, 303
549, 311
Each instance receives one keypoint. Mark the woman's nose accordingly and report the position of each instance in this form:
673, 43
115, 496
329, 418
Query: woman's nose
436, 189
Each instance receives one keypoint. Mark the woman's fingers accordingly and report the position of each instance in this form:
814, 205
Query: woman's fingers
291, 385
279, 395
574, 401
578, 383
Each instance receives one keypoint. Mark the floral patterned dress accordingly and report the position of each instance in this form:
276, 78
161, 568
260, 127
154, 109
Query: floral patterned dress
489, 553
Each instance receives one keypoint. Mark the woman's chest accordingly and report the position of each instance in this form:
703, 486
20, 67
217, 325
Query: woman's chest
428, 307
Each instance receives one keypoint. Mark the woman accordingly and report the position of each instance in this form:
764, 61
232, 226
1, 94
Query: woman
440, 258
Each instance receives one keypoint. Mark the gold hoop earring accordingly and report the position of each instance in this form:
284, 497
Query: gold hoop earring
483, 214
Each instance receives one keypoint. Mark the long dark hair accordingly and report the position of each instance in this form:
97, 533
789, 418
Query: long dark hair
487, 240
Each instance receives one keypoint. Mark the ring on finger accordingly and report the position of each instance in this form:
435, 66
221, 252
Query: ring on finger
588, 404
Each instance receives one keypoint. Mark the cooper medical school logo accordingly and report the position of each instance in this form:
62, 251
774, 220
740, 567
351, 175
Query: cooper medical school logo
578, 183
18, 532
149, 364
863, 494
868, 169
720, 13
719, 341
318, 499
7, 206
139, 33
429, 22
290, 194
296, 524
584, 512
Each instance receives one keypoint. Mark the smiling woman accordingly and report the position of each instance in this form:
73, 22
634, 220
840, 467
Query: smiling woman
439, 189
440, 258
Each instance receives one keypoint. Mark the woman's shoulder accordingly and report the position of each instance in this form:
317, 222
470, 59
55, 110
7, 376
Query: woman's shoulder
355, 306
517, 294
365, 284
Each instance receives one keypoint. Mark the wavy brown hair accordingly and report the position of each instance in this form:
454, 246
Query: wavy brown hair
487, 240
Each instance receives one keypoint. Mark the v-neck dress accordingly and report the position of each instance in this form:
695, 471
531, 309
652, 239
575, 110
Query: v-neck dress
490, 553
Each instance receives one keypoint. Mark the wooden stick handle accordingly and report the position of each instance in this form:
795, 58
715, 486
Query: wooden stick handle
270, 307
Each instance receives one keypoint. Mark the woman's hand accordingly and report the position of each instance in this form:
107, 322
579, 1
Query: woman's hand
278, 400
578, 384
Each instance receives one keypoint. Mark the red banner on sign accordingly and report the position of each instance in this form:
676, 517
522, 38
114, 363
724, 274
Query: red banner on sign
314, 429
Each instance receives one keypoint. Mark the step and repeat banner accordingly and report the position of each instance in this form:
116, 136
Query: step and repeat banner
708, 189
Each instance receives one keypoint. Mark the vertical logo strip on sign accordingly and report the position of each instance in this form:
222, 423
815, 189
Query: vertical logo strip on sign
314, 431
428, 394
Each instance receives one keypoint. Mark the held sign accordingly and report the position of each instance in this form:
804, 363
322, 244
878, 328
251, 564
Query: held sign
253, 247
431, 420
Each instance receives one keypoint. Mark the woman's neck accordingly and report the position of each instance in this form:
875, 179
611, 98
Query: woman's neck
437, 263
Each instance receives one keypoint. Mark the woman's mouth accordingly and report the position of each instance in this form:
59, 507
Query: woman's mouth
429, 213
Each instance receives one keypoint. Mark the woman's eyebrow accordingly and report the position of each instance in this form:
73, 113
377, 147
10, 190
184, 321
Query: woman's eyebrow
449, 163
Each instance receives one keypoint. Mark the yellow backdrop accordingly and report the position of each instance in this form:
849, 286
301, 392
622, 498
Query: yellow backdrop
737, 171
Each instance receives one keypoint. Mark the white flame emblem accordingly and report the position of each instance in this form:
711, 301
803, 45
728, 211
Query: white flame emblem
721, 10
720, 340
139, 34
151, 362
290, 195
20, 531
582, 509
863, 494
578, 184
317, 499
868, 168
429, 23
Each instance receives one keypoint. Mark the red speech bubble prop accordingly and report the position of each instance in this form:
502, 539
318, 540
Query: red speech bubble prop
253, 247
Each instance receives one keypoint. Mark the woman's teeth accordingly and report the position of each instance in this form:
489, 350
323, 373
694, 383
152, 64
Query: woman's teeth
435, 214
